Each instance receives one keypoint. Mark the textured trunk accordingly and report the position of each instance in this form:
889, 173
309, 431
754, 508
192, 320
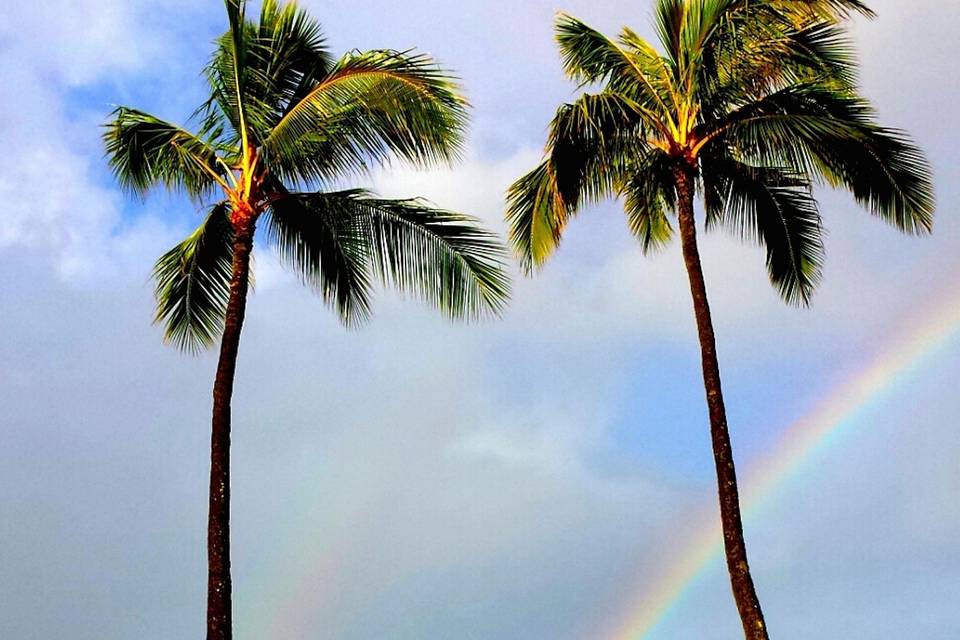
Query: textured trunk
219, 608
734, 546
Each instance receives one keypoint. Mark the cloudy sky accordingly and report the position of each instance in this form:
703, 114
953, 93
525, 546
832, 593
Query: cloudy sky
528, 479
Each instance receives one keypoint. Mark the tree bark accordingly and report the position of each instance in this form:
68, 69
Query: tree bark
219, 587
734, 545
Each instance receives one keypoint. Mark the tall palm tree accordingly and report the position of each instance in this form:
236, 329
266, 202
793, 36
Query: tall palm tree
749, 103
284, 124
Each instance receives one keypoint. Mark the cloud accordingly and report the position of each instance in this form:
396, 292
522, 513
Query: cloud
59, 201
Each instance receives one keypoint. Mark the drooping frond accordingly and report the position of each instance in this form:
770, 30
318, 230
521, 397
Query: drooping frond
833, 134
590, 141
441, 257
145, 151
193, 283
377, 103
338, 240
649, 195
327, 247
536, 214
775, 209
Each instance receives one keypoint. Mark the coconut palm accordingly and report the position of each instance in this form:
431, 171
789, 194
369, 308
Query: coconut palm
749, 103
285, 124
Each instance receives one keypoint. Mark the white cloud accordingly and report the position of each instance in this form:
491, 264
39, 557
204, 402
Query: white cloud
58, 201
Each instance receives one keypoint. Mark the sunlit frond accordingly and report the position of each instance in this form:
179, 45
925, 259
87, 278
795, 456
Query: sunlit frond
385, 100
633, 71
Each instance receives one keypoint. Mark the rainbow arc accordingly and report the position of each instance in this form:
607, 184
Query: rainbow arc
798, 443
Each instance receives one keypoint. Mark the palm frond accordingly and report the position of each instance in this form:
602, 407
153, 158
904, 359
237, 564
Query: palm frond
649, 193
777, 210
337, 241
327, 247
441, 257
193, 283
145, 151
837, 9
634, 70
377, 101
833, 134
587, 150
288, 54
589, 142
536, 215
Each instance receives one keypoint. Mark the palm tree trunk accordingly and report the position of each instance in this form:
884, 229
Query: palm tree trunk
219, 588
734, 545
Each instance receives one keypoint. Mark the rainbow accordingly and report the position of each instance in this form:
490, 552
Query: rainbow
800, 441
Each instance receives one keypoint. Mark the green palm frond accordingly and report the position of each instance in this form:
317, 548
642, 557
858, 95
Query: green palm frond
441, 257
674, 27
259, 68
632, 70
587, 150
377, 102
337, 241
228, 74
834, 135
327, 247
775, 209
288, 54
649, 195
193, 283
145, 151
536, 215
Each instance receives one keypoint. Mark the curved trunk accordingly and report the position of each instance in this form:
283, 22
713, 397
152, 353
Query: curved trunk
219, 608
734, 545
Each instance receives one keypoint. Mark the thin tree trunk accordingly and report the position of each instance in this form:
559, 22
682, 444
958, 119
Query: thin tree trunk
219, 588
744, 592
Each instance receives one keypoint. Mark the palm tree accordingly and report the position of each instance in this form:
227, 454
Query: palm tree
285, 122
749, 103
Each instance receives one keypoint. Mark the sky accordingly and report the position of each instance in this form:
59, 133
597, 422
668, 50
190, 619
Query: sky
529, 478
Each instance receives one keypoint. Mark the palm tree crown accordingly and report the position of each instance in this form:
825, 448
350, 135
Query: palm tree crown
284, 125
755, 100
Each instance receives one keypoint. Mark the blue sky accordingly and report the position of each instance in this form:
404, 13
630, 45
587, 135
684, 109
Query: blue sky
420, 480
